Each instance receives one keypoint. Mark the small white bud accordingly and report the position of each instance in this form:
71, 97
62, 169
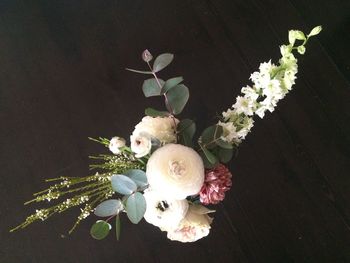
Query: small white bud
115, 144
315, 31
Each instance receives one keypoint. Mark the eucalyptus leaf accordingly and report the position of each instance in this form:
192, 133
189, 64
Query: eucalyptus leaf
123, 184
108, 208
135, 207
150, 87
177, 98
155, 113
225, 155
162, 61
170, 83
206, 163
210, 156
224, 144
117, 227
210, 135
138, 176
186, 129
100, 229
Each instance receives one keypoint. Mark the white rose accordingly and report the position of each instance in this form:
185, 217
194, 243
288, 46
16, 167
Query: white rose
141, 144
161, 128
175, 171
115, 144
194, 226
164, 213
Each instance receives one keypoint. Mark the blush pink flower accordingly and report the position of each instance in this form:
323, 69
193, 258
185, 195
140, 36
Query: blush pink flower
217, 181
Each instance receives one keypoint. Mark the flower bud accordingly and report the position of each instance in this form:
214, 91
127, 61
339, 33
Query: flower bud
147, 56
115, 144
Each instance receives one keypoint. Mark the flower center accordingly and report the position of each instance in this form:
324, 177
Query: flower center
162, 206
177, 169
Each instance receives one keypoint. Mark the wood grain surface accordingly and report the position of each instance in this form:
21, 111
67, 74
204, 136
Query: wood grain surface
62, 79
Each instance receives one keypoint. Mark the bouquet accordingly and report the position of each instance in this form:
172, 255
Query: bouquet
162, 175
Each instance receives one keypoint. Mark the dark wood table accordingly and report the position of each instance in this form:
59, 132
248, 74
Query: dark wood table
62, 79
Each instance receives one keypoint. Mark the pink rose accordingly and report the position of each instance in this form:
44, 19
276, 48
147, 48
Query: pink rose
217, 181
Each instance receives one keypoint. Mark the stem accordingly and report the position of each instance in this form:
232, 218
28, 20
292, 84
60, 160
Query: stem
160, 88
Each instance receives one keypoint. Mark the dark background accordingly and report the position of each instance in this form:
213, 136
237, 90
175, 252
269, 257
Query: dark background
62, 79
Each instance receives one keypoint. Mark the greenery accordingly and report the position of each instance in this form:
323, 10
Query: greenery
85, 192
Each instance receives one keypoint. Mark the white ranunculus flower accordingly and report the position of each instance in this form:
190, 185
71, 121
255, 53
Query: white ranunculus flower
175, 171
164, 213
194, 226
141, 144
161, 128
115, 144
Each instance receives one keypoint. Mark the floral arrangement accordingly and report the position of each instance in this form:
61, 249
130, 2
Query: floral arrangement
163, 176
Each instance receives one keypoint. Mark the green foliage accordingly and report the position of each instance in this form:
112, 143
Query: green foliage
223, 144
138, 176
177, 98
225, 155
101, 140
176, 95
186, 130
108, 208
206, 162
123, 184
210, 136
135, 207
152, 87
100, 229
170, 83
210, 156
155, 113
162, 61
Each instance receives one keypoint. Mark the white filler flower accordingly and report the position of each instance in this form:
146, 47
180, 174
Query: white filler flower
115, 144
175, 171
194, 226
164, 213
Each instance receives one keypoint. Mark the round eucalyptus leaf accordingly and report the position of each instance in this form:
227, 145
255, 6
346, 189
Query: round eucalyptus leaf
135, 207
123, 184
162, 61
210, 156
225, 155
100, 229
138, 176
186, 129
177, 98
224, 144
150, 87
206, 163
170, 83
108, 208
